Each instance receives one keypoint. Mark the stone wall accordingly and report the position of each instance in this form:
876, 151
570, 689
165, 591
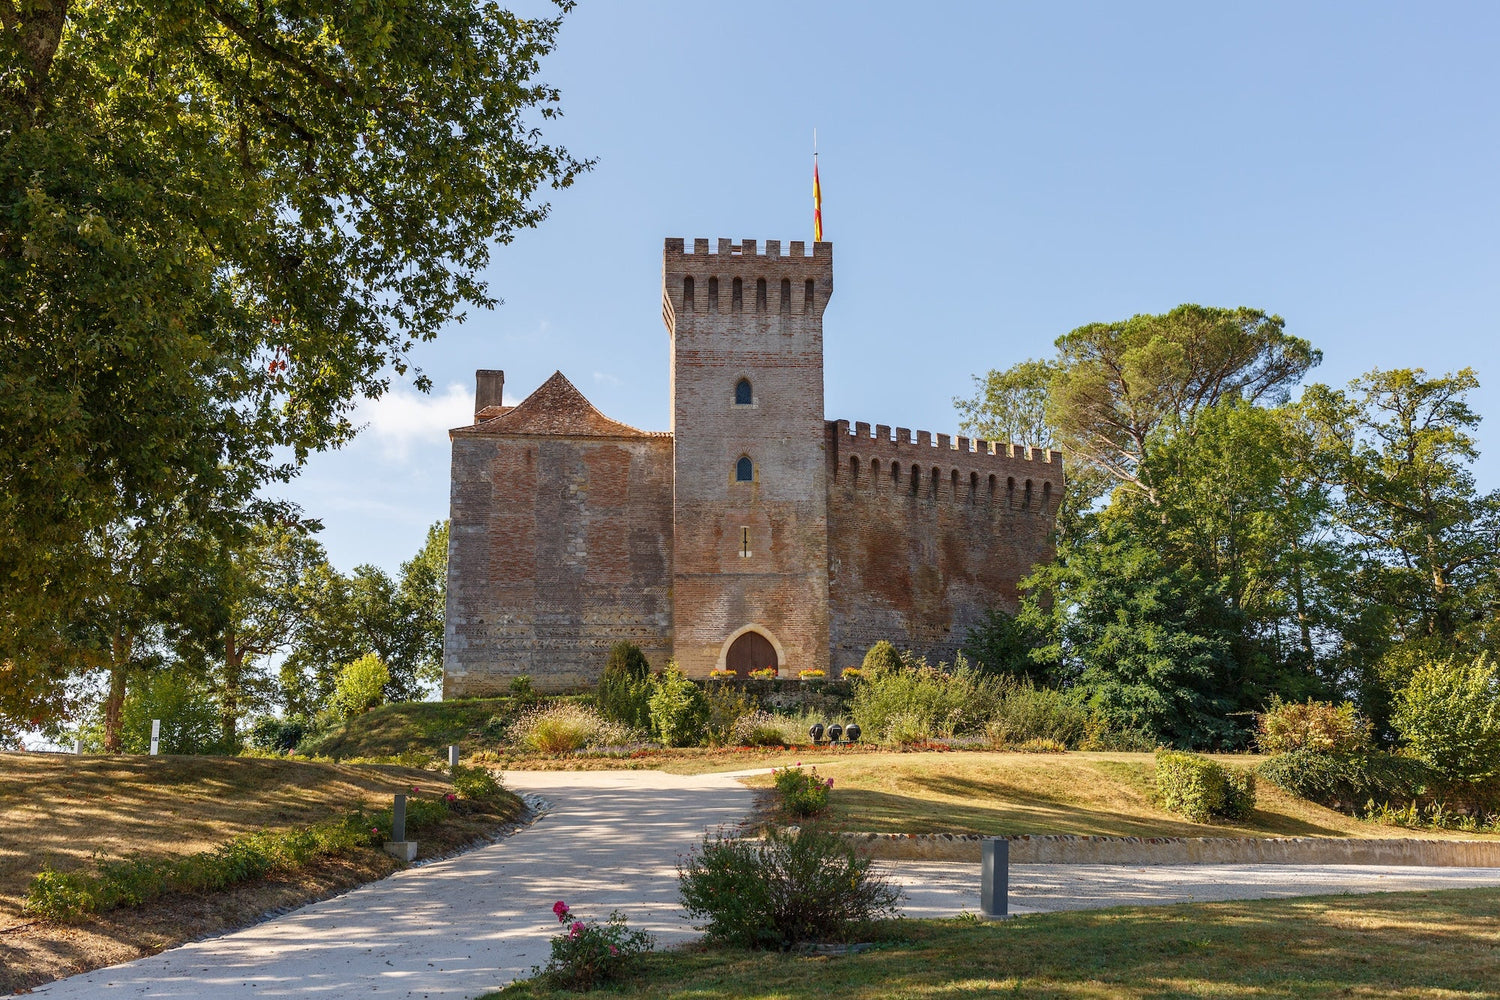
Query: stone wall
560, 546
926, 536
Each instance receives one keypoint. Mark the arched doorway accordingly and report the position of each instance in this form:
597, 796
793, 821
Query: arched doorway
751, 651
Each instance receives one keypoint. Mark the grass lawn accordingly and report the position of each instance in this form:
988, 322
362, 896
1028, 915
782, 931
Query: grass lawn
1101, 794
60, 810
419, 727
1397, 945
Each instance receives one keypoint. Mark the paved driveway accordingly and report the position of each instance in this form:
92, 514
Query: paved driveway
458, 928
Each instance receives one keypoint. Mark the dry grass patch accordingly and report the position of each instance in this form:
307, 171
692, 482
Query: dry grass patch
62, 810
1098, 794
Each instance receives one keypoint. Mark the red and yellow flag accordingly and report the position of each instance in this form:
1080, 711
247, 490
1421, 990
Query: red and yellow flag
817, 204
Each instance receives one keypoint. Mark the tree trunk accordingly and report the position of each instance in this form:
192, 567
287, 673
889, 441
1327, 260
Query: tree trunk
229, 697
115, 701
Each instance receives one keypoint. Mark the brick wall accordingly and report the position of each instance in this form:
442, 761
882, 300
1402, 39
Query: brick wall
920, 566
736, 312
560, 546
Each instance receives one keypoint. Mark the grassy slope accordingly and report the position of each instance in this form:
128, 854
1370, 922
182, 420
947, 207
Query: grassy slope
1404, 945
1104, 794
421, 726
59, 810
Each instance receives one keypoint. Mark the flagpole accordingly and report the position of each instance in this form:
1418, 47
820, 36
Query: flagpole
817, 194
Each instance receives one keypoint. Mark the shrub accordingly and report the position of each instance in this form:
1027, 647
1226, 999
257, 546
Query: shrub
792, 887
756, 729
188, 711
1041, 745
915, 702
624, 694
1100, 734
1027, 714
563, 727
727, 704
521, 691
1448, 714
475, 784
272, 735
1201, 789
360, 685
1347, 781
588, 953
1288, 726
679, 709
881, 656
802, 793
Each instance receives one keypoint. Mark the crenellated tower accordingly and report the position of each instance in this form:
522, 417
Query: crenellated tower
750, 517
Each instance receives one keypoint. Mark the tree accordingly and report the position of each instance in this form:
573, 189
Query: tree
1114, 384
1397, 447
1010, 406
223, 223
424, 594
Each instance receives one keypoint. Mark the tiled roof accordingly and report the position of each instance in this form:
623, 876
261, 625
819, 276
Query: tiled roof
556, 407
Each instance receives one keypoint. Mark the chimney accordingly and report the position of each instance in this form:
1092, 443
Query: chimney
489, 389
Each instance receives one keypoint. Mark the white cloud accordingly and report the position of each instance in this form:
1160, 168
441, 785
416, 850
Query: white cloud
606, 377
404, 418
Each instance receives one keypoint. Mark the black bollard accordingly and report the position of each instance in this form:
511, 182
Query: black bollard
994, 879
398, 819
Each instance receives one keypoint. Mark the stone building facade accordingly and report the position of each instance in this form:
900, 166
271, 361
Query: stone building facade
752, 533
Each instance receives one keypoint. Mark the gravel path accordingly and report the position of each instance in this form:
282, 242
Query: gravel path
457, 928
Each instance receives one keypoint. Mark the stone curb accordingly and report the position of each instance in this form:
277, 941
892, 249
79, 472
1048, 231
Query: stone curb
1060, 849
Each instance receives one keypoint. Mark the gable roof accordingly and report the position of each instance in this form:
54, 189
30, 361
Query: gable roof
556, 407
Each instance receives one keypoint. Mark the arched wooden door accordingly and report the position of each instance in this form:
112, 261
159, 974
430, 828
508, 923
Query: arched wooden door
751, 651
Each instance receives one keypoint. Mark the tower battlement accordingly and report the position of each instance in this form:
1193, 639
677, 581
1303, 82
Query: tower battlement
731, 276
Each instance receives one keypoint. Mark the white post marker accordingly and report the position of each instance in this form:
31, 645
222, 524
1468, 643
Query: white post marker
78, 747
453, 757
155, 736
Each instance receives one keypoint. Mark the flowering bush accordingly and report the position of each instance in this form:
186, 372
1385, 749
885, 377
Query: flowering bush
475, 783
763, 674
810, 675
591, 952
1317, 725
803, 793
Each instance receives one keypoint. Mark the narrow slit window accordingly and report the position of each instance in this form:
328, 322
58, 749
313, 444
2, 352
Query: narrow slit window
687, 294
973, 487
742, 393
853, 470
932, 486
744, 541
1046, 496
737, 295
807, 296
713, 295
786, 295
760, 295
875, 473
916, 479
954, 478
744, 470
1010, 492
1026, 501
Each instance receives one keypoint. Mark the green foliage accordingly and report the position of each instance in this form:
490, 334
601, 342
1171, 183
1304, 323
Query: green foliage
679, 709
1448, 715
728, 706
625, 688
801, 793
881, 656
757, 728
475, 784
1026, 713
792, 887
188, 712
1319, 726
1348, 780
360, 686
1201, 789
914, 702
1011, 405
272, 735
565, 727
1004, 644
589, 953
223, 230
70, 897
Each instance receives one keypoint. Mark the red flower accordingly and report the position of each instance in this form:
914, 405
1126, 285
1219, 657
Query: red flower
561, 909
576, 929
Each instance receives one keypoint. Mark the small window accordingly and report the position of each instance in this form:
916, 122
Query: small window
1010, 491
807, 296
854, 470
932, 484
687, 294
916, 479
737, 295
875, 473
786, 295
895, 475
954, 479
744, 541
1026, 501
760, 295
973, 487
742, 396
744, 470
713, 295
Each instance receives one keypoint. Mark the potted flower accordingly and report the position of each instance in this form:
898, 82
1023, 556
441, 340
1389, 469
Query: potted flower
812, 675
764, 674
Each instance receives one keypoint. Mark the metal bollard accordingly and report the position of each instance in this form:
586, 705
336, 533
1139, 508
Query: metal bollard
994, 879
398, 819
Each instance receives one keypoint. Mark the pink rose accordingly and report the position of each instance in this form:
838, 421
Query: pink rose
576, 929
561, 909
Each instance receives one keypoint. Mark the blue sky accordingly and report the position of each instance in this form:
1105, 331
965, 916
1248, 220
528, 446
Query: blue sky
994, 175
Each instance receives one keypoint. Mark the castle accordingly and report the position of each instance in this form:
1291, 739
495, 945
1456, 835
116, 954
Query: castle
753, 533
